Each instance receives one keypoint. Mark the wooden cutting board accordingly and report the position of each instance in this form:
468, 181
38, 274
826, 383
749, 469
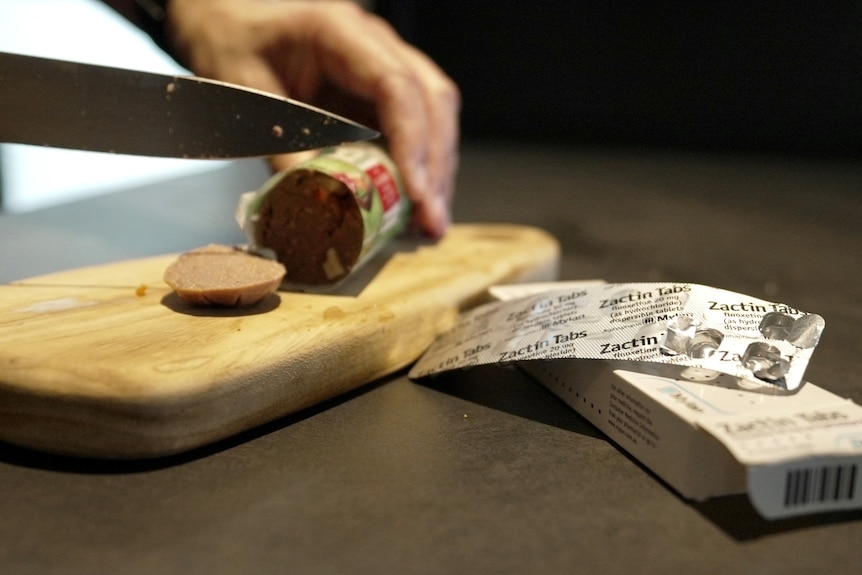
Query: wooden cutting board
107, 362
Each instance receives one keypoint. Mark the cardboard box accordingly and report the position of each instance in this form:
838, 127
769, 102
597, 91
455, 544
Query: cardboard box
792, 454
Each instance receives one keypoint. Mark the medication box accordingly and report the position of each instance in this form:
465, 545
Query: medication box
791, 454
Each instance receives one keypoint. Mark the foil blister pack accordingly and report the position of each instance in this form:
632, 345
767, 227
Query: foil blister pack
683, 330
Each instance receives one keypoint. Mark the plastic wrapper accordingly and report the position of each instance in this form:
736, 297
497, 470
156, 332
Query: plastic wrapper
325, 217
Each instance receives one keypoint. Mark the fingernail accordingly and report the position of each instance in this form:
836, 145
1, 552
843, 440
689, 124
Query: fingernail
439, 216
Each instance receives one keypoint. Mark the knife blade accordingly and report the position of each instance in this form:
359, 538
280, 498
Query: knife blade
63, 104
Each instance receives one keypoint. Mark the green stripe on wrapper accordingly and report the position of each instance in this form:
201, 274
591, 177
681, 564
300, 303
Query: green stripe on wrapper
325, 217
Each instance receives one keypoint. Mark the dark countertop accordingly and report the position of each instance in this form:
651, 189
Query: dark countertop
482, 471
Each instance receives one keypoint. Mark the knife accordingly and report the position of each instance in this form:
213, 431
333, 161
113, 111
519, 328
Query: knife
64, 104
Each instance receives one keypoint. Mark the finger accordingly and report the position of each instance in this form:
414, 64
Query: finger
438, 139
442, 103
377, 66
251, 72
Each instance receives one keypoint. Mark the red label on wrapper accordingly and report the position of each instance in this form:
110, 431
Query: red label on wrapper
385, 184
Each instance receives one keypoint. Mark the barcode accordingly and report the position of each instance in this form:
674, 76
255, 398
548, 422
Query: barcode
811, 485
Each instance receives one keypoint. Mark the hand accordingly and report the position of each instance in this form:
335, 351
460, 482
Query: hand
337, 56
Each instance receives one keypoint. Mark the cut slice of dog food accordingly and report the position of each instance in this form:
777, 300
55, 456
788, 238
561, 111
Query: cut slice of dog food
223, 276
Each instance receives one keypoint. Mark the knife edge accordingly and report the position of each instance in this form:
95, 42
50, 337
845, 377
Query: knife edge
74, 105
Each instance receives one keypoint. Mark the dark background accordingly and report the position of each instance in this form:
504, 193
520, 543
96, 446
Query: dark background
769, 76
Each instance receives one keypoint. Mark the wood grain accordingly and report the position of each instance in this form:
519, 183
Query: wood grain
107, 362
